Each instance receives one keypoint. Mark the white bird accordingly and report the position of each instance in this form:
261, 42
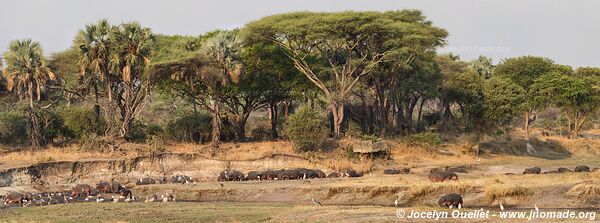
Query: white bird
459, 205
127, 199
316, 202
451, 206
478, 160
536, 208
396, 202
99, 199
115, 199
165, 199
501, 207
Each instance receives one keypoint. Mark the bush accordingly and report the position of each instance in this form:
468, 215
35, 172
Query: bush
425, 138
13, 128
261, 133
306, 129
182, 128
79, 121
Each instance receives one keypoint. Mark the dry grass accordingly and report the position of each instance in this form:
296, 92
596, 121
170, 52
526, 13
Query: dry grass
585, 190
424, 189
32, 156
579, 146
498, 192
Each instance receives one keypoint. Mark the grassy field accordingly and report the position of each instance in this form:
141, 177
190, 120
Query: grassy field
223, 212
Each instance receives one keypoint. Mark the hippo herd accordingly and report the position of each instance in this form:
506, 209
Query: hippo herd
284, 174
538, 170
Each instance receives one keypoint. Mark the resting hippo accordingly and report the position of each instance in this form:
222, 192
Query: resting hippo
320, 174
391, 171
564, 170
451, 200
95, 192
254, 175
81, 190
532, 170
145, 181
333, 175
103, 187
582, 168
442, 176
289, 175
270, 174
352, 173
116, 186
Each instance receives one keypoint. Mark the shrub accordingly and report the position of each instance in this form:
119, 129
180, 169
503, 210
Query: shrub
425, 138
79, 121
13, 128
261, 133
306, 129
182, 129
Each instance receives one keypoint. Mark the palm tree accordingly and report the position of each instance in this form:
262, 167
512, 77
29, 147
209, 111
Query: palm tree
95, 46
130, 61
27, 73
223, 49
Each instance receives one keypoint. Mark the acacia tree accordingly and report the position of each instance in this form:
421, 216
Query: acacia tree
130, 61
27, 74
524, 71
576, 96
347, 46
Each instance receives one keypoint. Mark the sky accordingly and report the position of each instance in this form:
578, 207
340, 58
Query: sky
564, 31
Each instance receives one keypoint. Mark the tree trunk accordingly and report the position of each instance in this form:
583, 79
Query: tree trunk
216, 128
286, 108
128, 116
273, 110
420, 112
338, 119
527, 123
35, 132
110, 111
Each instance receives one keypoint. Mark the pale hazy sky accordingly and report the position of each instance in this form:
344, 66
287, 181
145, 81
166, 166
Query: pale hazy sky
565, 31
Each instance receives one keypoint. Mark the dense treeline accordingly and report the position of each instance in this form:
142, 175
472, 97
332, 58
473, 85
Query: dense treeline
354, 73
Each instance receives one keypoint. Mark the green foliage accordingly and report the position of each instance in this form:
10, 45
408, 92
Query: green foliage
424, 138
66, 64
80, 120
503, 99
183, 129
13, 128
306, 129
524, 70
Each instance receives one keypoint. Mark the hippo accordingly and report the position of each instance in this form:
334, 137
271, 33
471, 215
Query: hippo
333, 175
289, 175
564, 170
145, 181
95, 192
254, 175
270, 174
391, 171
437, 169
532, 170
116, 186
104, 187
582, 168
15, 198
442, 176
320, 173
182, 179
352, 173
81, 190
460, 169
451, 200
